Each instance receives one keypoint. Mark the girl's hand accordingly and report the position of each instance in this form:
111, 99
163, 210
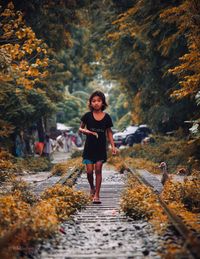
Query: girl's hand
114, 151
95, 134
89, 132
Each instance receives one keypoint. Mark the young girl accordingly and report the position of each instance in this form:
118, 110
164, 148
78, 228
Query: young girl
98, 124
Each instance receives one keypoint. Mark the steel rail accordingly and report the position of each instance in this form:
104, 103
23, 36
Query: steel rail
192, 243
8, 236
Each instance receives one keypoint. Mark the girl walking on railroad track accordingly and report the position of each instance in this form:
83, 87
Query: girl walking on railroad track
96, 125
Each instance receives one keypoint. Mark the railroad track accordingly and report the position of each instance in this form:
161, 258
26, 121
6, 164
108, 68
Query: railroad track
103, 230
37, 190
51, 181
191, 240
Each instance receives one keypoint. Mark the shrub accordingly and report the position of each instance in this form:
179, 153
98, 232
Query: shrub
34, 164
7, 167
38, 221
62, 168
186, 192
138, 201
65, 200
76, 153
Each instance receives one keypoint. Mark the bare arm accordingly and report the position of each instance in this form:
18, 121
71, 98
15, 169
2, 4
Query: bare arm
85, 131
110, 138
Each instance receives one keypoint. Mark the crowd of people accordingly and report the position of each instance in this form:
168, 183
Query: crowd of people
65, 142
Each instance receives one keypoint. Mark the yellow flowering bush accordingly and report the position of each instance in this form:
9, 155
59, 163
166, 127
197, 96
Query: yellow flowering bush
186, 192
10, 166
23, 191
121, 163
43, 221
138, 201
118, 162
62, 168
7, 167
184, 199
26, 221
36, 164
142, 163
65, 199
12, 209
174, 151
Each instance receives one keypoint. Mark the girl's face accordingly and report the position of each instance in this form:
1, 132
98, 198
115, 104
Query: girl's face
96, 103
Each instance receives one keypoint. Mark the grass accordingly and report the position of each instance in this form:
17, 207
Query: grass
177, 153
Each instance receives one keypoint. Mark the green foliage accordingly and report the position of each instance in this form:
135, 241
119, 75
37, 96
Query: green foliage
124, 121
24, 108
128, 42
25, 99
33, 164
119, 107
22, 190
7, 167
64, 27
77, 154
70, 110
175, 152
133, 56
11, 166
63, 168
186, 17
81, 95
69, 57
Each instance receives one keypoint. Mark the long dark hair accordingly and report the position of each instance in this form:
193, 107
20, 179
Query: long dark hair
103, 98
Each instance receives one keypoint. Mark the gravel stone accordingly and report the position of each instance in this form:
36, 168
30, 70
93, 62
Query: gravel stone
103, 231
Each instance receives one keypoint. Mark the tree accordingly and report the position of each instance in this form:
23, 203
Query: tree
23, 75
26, 55
186, 16
133, 57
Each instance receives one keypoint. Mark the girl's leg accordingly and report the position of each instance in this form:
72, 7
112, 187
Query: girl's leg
90, 177
98, 173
